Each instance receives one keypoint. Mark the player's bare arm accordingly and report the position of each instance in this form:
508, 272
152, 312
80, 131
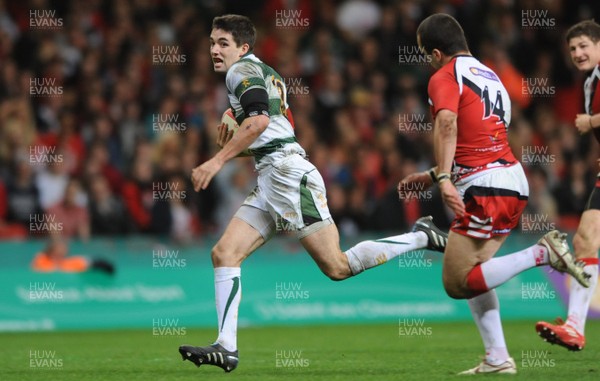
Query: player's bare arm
424, 179
444, 142
224, 134
250, 129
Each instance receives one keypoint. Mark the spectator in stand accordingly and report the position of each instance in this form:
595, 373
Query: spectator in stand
54, 258
70, 140
168, 154
71, 213
105, 136
337, 201
137, 195
99, 163
171, 214
107, 212
233, 184
22, 194
131, 129
7, 229
17, 130
52, 181
357, 87
572, 195
541, 203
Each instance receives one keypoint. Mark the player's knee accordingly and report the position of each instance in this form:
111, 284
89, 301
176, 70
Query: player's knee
336, 273
336, 276
584, 246
221, 257
216, 254
454, 292
455, 289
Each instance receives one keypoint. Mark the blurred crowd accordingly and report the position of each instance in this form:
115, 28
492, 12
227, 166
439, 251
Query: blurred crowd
106, 106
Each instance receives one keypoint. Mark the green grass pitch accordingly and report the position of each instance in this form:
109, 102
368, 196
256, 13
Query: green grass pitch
342, 352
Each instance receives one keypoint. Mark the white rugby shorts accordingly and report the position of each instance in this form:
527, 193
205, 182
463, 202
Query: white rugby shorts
290, 196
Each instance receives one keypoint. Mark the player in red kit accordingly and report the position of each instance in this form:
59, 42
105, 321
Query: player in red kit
483, 184
584, 45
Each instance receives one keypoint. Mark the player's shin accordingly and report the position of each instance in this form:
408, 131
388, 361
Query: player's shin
228, 291
485, 309
369, 254
580, 297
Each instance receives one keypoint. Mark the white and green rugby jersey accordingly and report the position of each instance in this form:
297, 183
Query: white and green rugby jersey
251, 73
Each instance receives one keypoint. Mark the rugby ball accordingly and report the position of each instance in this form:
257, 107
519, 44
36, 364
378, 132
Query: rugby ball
229, 120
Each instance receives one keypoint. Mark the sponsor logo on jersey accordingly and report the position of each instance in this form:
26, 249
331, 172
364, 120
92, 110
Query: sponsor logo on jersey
484, 73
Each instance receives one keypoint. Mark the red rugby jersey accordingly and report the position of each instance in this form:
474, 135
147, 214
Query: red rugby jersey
474, 92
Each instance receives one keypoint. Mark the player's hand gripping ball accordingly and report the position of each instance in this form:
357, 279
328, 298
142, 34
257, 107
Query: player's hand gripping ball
227, 129
228, 119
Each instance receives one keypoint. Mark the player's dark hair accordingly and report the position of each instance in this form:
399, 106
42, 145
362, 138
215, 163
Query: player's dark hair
241, 28
441, 31
584, 28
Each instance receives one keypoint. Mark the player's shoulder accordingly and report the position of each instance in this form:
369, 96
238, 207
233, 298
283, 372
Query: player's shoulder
445, 73
247, 66
473, 69
247, 73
